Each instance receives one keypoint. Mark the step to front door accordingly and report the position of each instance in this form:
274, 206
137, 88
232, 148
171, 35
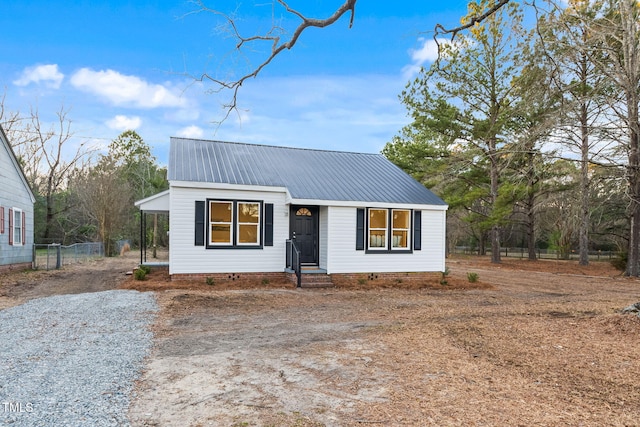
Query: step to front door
315, 280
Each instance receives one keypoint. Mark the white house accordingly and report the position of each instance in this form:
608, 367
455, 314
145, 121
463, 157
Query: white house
16, 211
242, 211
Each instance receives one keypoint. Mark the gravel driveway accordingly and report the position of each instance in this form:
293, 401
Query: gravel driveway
70, 360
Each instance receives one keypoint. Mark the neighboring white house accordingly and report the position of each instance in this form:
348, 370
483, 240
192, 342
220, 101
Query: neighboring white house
16, 211
235, 209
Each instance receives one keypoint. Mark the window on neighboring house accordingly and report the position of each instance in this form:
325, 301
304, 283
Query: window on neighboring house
401, 226
16, 226
234, 223
378, 224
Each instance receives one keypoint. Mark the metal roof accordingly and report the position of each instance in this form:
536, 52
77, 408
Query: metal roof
306, 173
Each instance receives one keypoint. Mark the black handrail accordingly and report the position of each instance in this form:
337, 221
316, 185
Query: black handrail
293, 261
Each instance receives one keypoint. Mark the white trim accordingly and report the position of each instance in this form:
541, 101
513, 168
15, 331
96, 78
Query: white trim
295, 201
360, 204
222, 186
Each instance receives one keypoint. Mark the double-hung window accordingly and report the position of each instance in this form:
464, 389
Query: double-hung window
381, 230
220, 223
16, 227
234, 223
248, 223
400, 229
378, 224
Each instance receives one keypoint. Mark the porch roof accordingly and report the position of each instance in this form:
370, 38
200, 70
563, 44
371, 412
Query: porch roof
158, 203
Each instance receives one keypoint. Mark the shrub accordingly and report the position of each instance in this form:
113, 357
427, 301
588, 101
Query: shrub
140, 273
210, 281
265, 282
445, 273
472, 277
145, 268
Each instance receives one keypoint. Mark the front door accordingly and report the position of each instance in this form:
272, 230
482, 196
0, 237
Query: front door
304, 231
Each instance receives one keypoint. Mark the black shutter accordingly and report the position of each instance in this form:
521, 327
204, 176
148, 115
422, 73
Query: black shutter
360, 231
268, 224
417, 230
199, 223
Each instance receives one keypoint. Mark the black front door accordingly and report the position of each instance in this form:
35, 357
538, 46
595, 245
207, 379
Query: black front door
304, 231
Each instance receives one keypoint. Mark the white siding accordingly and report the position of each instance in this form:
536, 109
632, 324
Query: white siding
324, 236
14, 194
344, 258
187, 258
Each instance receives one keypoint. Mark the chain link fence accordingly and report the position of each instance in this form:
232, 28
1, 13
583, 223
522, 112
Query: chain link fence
49, 257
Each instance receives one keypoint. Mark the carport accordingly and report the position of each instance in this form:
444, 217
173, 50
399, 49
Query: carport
157, 204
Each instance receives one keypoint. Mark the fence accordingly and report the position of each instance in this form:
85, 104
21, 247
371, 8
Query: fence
541, 253
48, 257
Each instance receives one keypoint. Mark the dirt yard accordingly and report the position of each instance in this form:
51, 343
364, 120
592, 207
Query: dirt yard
534, 343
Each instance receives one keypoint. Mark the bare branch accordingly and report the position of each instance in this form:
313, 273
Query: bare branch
441, 30
274, 37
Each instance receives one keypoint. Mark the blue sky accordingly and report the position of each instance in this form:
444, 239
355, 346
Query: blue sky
121, 65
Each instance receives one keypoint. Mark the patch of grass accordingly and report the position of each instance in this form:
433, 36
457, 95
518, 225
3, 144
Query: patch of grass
265, 282
210, 281
472, 277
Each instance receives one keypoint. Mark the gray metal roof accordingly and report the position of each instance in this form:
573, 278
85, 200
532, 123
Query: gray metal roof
307, 174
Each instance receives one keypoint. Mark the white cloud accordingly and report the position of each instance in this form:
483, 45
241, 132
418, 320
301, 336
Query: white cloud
427, 53
121, 122
121, 89
191, 132
47, 74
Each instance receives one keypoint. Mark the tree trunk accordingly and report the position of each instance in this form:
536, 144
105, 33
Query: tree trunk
48, 224
583, 238
633, 177
530, 204
495, 229
531, 232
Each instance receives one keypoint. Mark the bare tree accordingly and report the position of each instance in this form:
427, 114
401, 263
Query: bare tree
47, 154
104, 200
47, 163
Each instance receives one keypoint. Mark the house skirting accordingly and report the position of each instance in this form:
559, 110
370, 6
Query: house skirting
383, 279
16, 267
239, 279
338, 279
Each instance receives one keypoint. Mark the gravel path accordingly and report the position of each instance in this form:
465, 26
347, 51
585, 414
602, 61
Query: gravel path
70, 360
